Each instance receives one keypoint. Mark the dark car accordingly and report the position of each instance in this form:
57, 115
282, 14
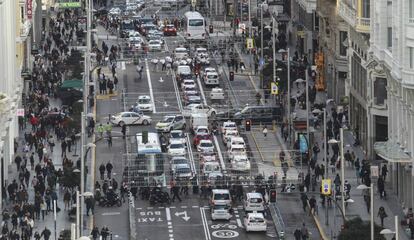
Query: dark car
228, 114
259, 114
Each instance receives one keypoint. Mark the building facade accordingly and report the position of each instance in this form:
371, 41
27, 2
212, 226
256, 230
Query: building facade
392, 64
15, 48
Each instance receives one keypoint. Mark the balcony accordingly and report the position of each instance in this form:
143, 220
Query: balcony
363, 25
411, 20
347, 13
308, 5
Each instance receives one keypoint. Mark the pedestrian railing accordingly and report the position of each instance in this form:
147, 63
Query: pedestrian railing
132, 223
277, 220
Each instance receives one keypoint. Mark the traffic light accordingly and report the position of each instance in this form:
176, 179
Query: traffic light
272, 195
144, 137
210, 28
248, 125
231, 76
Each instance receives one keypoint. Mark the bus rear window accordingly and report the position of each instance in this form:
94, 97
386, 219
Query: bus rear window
196, 22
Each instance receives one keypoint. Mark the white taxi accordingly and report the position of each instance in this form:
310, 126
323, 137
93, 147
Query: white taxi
255, 222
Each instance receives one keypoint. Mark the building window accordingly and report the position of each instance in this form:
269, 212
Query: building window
411, 56
389, 34
22, 14
411, 10
343, 36
365, 8
380, 91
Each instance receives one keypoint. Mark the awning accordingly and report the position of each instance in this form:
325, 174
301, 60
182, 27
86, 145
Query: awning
77, 84
392, 152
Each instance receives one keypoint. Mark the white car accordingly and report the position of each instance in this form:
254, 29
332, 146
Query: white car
205, 146
178, 135
240, 163
209, 70
130, 118
182, 171
188, 84
217, 94
255, 222
211, 167
201, 130
115, 11
220, 212
236, 150
228, 125
171, 122
199, 108
177, 148
180, 53
229, 134
155, 45
145, 104
211, 79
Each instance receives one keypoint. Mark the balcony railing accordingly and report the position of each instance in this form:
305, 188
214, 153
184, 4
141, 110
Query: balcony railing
308, 5
363, 25
347, 13
411, 20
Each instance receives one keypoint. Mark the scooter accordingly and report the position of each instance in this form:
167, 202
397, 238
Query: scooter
158, 196
105, 202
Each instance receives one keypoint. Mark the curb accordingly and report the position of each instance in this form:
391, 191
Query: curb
93, 162
257, 146
132, 223
318, 225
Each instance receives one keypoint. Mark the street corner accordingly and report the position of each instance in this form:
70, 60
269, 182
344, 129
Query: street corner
107, 96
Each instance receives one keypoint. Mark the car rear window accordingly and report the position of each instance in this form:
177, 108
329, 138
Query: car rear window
221, 196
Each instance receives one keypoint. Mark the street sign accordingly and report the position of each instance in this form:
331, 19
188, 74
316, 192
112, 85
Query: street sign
249, 43
70, 4
261, 62
20, 112
326, 187
374, 171
274, 88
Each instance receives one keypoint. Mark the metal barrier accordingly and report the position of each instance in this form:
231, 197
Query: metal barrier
132, 222
277, 220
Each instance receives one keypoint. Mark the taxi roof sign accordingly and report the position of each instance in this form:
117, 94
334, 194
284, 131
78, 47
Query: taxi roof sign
326, 187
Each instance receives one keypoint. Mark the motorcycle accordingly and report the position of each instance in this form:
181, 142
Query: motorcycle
158, 196
105, 202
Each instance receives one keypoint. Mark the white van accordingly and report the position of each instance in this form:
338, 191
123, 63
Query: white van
255, 222
198, 119
211, 79
235, 150
220, 196
236, 141
253, 202
180, 53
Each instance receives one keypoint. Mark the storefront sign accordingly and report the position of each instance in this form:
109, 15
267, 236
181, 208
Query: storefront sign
29, 7
70, 4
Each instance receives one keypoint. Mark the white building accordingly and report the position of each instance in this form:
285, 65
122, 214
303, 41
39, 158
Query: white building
392, 62
15, 47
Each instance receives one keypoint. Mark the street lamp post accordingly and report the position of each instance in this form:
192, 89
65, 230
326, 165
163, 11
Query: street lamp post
388, 231
326, 163
371, 211
261, 44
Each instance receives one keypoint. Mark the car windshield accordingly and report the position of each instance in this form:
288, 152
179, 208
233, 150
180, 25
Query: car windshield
196, 22
256, 200
221, 207
221, 196
202, 130
200, 50
209, 154
177, 135
144, 101
256, 220
183, 170
212, 76
168, 120
206, 144
179, 50
212, 168
176, 145
179, 161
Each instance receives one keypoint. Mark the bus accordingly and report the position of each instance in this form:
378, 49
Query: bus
148, 167
194, 26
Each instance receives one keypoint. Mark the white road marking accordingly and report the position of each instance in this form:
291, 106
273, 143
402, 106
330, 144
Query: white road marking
170, 230
183, 206
150, 85
201, 90
111, 213
150, 207
123, 67
169, 226
168, 213
185, 218
190, 154
177, 92
223, 165
195, 206
205, 224
172, 207
138, 208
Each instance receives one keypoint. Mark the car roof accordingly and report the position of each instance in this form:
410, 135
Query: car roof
126, 112
201, 127
176, 131
212, 73
206, 140
237, 138
182, 165
221, 191
144, 97
255, 215
179, 158
240, 157
175, 141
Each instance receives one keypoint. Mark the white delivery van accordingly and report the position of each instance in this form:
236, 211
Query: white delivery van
198, 119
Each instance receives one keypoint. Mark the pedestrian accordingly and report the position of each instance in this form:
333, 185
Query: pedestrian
411, 226
176, 193
305, 232
316, 150
123, 130
109, 168
43, 209
382, 214
102, 171
104, 232
258, 98
381, 187
384, 172
46, 233
108, 129
63, 145
66, 199
100, 129
109, 139
357, 165
265, 131
32, 161
18, 161
298, 234
304, 200
95, 233
51, 142
313, 206
90, 205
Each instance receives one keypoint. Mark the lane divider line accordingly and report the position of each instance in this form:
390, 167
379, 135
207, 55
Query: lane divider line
150, 85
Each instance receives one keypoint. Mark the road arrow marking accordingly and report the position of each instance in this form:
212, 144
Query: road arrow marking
186, 218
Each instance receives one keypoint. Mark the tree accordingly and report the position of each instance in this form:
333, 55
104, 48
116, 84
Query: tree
356, 229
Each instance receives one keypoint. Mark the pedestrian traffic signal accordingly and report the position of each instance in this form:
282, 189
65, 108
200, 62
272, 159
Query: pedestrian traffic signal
248, 125
272, 195
210, 28
231, 76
